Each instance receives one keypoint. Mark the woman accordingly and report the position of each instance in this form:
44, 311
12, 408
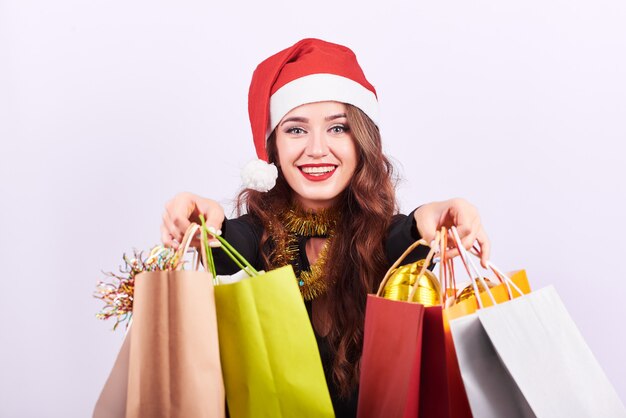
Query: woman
332, 213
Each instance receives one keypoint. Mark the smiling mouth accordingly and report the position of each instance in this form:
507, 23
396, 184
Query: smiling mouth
317, 170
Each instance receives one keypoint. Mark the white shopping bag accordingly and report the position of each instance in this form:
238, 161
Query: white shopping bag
548, 358
490, 389
536, 341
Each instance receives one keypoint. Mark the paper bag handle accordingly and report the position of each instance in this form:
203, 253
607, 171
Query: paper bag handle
469, 264
408, 251
504, 278
185, 243
446, 269
434, 249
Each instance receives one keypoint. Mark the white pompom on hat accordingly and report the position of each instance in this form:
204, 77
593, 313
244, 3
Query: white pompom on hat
259, 175
310, 71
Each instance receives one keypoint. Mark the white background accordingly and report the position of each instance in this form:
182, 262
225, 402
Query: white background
109, 108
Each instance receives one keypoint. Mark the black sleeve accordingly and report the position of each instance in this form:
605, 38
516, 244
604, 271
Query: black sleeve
402, 233
244, 234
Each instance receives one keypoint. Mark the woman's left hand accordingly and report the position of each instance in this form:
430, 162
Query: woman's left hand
430, 217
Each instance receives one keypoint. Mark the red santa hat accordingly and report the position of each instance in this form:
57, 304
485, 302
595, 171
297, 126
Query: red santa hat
310, 71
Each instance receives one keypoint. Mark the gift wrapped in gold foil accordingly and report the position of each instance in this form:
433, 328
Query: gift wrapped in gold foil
398, 287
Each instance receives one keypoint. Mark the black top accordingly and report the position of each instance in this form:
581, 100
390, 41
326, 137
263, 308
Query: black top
244, 233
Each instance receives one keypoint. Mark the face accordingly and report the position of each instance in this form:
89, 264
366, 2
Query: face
316, 153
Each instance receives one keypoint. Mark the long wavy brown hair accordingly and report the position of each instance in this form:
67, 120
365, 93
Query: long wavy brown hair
367, 206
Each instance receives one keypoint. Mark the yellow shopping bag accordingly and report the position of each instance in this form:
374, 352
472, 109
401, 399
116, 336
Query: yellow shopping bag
270, 360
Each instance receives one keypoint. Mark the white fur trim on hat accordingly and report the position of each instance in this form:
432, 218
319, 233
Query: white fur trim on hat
259, 175
321, 88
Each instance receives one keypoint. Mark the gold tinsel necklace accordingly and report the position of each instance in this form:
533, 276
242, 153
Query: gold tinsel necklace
304, 223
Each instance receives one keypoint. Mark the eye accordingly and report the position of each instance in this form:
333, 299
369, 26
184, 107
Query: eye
295, 131
339, 129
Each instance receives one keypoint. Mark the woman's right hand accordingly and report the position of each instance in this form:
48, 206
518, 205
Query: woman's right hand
184, 209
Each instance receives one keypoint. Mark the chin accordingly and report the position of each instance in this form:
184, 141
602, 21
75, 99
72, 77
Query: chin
317, 199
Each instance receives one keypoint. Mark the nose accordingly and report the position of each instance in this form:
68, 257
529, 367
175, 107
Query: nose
317, 145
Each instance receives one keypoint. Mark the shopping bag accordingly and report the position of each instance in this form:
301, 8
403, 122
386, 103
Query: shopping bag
436, 395
539, 361
442, 394
112, 400
548, 358
271, 363
173, 365
391, 361
491, 391
461, 407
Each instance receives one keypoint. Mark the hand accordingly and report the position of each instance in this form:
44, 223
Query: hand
457, 212
184, 209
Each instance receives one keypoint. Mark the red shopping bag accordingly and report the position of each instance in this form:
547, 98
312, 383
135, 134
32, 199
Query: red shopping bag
408, 366
392, 353
442, 394
390, 364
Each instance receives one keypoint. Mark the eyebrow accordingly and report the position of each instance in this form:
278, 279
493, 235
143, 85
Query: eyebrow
306, 120
294, 119
333, 117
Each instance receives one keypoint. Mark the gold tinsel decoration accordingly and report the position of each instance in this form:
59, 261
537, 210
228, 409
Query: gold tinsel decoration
312, 283
286, 247
298, 222
307, 223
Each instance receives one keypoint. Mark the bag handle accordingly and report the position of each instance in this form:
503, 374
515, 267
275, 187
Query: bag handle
179, 256
434, 249
504, 278
499, 274
232, 253
446, 269
185, 243
469, 265
408, 251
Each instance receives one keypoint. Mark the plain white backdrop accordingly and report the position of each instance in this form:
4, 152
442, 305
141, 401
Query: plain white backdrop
109, 108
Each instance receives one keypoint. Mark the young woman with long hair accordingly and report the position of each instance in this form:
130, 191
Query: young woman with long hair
332, 213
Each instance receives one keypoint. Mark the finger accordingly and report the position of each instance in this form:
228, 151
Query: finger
450, 254
469, 240
178, 214
464, 228
167, 239
485, 247
175, 232
453, 250
468, 232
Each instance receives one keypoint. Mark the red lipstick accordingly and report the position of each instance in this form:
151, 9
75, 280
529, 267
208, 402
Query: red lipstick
319, 176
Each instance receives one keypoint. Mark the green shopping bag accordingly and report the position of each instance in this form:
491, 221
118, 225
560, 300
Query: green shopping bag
270, 360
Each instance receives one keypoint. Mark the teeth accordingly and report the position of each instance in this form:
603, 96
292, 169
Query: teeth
318, 170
